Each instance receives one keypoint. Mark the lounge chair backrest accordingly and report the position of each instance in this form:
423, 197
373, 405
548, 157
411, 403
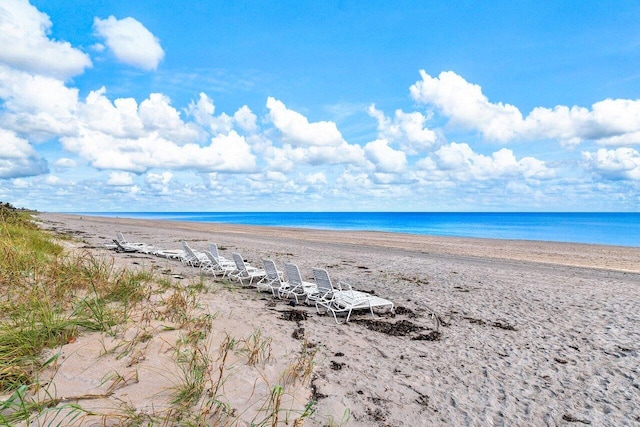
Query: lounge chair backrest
237, 258
271, 270
188, 249
213, 259
293, 274
121, 238
213, 248
322, 279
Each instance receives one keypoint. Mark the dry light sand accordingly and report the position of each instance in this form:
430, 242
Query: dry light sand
531, 333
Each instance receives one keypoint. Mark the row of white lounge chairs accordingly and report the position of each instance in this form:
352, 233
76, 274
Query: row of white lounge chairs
338, 300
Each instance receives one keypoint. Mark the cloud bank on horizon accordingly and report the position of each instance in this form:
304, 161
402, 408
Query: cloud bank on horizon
75, 147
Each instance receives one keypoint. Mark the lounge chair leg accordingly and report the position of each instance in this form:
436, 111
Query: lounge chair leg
336, 317
348, 316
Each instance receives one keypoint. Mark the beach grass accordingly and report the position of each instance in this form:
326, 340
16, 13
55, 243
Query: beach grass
48, 297
51, 296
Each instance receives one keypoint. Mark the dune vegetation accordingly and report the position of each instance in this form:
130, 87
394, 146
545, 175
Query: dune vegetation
51, 296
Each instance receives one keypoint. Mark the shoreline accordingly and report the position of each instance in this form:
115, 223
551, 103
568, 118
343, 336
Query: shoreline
601, 228
530, 333
602, 257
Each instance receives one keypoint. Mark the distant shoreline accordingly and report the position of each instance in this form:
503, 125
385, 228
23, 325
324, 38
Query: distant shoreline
607, 257
598, 228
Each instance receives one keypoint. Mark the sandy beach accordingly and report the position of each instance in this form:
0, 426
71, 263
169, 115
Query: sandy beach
485, 332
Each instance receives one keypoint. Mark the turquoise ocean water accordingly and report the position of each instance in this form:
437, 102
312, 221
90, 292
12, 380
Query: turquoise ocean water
621, 229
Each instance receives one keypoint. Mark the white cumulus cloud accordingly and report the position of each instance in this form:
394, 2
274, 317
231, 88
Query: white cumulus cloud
385, 158
124, 118
159, 182
312, 143
612, 121
226, 153
157, 115
245, 118
461, 163
407, 129
297, 130
203, 112
120, 179
130, 41
35, 105
18, 158
466, 105
65, 163
316, 178
26, 46
618, 164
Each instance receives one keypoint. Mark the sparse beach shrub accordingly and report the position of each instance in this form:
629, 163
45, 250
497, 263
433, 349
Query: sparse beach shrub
46, 298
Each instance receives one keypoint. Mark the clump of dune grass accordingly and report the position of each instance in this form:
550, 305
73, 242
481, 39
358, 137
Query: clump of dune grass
301, 369
256, 347
47, 298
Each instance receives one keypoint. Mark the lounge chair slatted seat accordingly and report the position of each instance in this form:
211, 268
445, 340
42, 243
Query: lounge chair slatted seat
171, 253
133, 246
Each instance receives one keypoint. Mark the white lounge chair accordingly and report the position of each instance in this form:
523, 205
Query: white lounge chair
273, 280
213, 249
120, 237
171, 253
133, 246
193, 258
111, 246
245, 271
296, 287
344, 299
216, 268
119, 247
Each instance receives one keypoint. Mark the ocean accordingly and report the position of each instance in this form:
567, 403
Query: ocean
619, 229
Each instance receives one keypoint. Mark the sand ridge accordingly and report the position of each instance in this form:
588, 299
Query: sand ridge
528, 333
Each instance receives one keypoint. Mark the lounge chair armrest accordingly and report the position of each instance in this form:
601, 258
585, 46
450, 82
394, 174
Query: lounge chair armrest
346, 289
344, 286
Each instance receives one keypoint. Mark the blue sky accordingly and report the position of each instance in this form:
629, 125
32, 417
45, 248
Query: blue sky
320, 106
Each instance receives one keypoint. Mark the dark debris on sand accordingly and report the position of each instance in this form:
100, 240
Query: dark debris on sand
429, 336
570, 418
337, 366
404, 311
497, 324
297, 316
401, 328
294, 315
